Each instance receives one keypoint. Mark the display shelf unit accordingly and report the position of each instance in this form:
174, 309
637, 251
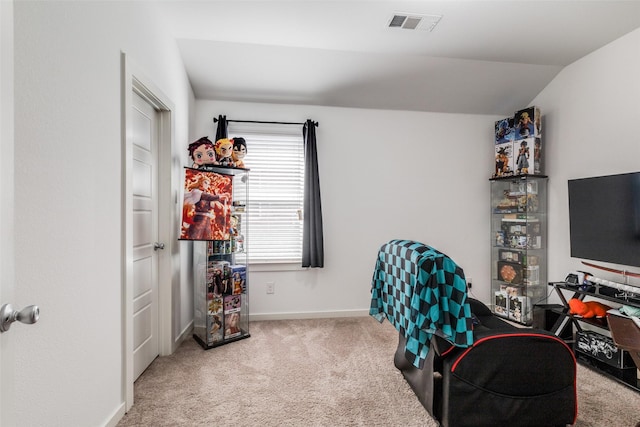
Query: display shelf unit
518, 245
625, 370
221, 291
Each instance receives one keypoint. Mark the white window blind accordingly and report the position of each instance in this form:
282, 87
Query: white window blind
275, 157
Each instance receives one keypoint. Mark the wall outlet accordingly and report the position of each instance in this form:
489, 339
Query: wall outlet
271, 287
469, 283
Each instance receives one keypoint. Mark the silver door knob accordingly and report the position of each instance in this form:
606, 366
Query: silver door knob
8, 315
157, 246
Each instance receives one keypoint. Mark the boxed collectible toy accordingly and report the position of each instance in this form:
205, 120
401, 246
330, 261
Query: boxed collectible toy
510, 255
504, 130
519, 309
513, 290
232, 308
512, 155
510, 272
527, 123
523, 154
239, 278
501, 304
527, 155
538, 164
532, 275
504, 159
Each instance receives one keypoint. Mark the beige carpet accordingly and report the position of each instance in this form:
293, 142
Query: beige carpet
322, 372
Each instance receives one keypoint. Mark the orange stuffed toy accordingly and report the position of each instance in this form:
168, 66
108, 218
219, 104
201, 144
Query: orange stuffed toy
587, 309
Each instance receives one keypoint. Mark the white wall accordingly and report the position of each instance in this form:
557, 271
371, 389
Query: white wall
383, 175
591, 112
68, 179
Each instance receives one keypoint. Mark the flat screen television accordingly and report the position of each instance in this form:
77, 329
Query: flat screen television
604, 218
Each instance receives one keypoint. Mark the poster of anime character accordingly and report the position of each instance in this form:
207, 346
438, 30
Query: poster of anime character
206, 209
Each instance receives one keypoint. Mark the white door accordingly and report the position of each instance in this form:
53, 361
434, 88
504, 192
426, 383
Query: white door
145, 234
6, 207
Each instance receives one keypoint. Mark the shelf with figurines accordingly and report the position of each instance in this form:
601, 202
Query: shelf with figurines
213, 216
518, 216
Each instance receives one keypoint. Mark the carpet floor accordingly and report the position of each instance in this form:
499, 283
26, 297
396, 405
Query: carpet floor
318, 372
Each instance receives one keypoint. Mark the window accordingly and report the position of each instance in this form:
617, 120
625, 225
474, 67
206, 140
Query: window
275, 157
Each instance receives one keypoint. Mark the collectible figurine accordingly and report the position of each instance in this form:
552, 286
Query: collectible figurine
224, 150
523, 158
202, 153
239, 151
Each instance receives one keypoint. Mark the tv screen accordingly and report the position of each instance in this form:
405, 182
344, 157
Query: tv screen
604, 218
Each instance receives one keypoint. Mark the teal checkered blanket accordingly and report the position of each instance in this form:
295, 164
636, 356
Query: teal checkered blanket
421, 291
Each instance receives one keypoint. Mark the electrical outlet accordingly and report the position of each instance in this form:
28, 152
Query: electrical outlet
469, 283
271, 287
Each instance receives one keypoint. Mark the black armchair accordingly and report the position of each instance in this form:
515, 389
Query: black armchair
486, 372
510, 376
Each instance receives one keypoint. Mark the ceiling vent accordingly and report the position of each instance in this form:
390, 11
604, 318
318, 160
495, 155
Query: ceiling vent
412, 21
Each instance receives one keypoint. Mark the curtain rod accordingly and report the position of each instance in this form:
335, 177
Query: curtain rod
215, 120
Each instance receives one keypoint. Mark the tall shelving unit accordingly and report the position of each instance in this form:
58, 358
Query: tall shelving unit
221, 291
519, 245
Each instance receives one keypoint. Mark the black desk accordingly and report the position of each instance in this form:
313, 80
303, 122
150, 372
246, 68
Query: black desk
565, 320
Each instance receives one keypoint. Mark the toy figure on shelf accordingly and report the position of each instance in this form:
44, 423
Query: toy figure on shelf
588, 309
522, 162
202, 153
239, 151
224, 150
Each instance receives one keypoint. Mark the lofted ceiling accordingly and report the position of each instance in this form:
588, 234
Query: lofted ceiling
483, 57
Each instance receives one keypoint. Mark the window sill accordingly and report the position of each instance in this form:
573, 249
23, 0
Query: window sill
276, 266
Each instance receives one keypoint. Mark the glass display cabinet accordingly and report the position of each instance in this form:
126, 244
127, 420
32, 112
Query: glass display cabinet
518, 245
221, 298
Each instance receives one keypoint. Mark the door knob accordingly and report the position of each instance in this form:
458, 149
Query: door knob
157, 246
8, 315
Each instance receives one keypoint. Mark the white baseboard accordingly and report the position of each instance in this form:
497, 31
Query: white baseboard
308, 315
116, 417
186, 333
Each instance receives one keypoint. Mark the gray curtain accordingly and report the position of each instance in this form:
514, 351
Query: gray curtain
312, 235
221, 132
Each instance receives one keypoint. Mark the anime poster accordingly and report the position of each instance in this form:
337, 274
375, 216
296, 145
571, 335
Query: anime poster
206, 210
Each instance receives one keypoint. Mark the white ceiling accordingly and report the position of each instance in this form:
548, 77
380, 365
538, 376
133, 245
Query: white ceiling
484, 57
